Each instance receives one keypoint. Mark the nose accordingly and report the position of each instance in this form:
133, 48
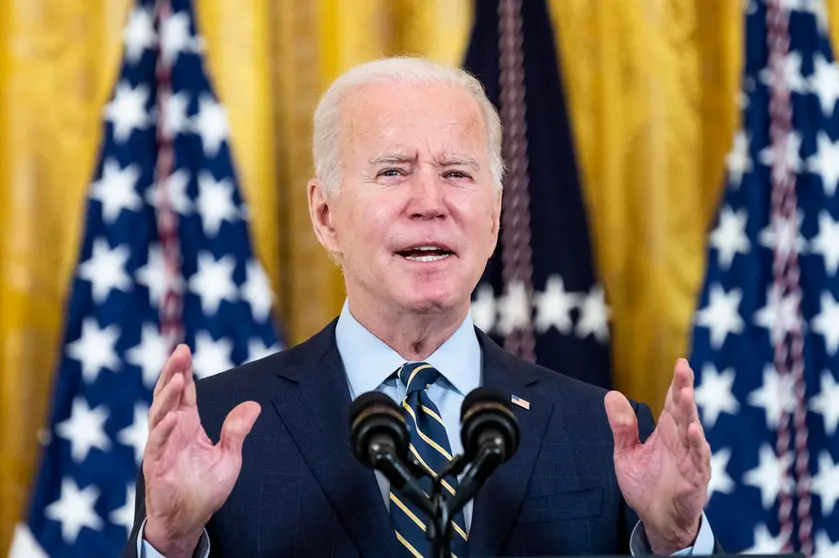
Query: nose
428, 197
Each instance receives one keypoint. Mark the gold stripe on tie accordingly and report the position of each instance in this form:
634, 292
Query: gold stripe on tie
459, 531
432, 414
408, 545
445, 483
407, 511
425, 438
414, 373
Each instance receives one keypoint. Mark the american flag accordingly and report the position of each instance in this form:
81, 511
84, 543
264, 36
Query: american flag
767, 324
165, 257
539, 296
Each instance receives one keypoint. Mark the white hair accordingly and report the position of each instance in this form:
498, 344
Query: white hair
414, 71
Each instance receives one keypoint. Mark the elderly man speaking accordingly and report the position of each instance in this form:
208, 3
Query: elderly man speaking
256, 461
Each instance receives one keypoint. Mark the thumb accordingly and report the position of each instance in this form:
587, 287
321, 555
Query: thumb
622, 421
237, 425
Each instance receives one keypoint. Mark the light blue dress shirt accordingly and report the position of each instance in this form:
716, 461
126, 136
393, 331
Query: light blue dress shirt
370, 365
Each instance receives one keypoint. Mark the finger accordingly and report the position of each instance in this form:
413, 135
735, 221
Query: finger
682, 377
622, 421
189, 398
167, 400
237, 425
700, 450
158, 438
179, 361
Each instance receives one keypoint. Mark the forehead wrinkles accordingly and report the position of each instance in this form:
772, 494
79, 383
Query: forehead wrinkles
387, 116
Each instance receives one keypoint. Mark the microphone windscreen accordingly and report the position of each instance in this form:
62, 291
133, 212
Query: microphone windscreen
370, 399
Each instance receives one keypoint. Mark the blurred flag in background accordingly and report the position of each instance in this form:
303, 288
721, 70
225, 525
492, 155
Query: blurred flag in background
166, 257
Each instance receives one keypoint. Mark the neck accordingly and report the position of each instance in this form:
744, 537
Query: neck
414, 335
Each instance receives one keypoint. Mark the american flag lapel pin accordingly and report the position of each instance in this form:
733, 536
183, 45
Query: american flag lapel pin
523, 403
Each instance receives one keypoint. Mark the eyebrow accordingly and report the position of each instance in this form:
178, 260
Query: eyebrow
393, 158
455, 160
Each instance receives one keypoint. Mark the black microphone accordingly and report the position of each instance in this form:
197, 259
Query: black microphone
490, 434
379, 440
377, 427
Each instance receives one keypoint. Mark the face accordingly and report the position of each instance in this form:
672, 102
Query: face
416, 216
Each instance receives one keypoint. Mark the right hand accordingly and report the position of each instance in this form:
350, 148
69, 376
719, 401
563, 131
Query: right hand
187, 477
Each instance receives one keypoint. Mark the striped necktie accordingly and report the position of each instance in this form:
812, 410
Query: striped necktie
430, 446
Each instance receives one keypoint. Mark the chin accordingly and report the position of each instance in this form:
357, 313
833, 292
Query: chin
430, 301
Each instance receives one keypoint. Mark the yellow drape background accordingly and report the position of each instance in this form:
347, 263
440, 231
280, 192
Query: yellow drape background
651, 86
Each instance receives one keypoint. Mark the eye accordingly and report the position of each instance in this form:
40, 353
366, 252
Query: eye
456, 175
391, 172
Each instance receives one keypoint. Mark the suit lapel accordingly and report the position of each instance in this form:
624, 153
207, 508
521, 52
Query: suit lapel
497, 504
312, 398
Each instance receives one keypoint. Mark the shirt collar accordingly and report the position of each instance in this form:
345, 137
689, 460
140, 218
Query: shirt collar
368, 361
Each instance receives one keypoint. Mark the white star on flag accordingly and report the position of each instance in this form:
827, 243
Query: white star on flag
256, 291
554, 306
825, 484
214, 203
175, 193
211, 356
257, 349
74, 509
720, 480
738, 161
211, 125
793, 153
764, 542
127, 110
826, 323
213, 282
514, 308
768, 476
84, 429
124, 515
780, 315
791, 68
136, 434
175, 37
825, 402
729, 238
825, 83
150, 354
105, 270
787, 237
825, 162
594, 316
721, 315
774, 396
116, 190
714, 396
484, 309
824, 547
95, 349
138, 34
175, 120
826, 242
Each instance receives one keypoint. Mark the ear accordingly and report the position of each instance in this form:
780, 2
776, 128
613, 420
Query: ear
496, 219
322, 214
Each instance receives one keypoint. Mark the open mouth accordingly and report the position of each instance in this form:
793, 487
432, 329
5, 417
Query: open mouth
425, 253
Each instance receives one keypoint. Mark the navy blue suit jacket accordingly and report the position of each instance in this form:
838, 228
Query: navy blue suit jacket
302, 493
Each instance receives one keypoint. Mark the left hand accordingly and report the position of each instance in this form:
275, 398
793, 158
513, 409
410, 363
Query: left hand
665, 479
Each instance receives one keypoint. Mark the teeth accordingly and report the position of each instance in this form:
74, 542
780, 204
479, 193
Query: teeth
429, 248
426, 258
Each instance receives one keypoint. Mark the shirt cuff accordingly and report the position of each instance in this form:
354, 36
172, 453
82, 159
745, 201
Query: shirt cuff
704, 544
146, 550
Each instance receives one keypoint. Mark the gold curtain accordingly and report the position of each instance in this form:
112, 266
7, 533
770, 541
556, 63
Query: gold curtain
651, 87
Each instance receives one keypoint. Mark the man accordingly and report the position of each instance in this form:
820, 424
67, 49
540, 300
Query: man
256, 461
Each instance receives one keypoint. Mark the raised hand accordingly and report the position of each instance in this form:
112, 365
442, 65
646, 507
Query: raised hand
665, 479
187, 477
